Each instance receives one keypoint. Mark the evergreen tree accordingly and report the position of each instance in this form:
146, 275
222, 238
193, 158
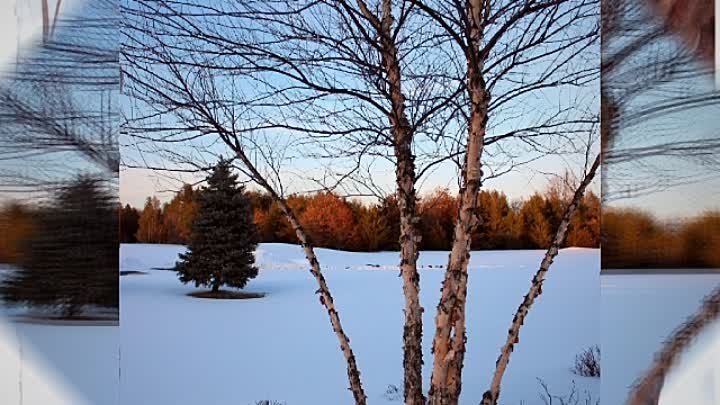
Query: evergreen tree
129, 224
537, 230
71, 260
390, 211
372, 227
495, 228
437, 220
224, 236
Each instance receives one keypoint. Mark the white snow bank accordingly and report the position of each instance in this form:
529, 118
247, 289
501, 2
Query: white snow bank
695, 379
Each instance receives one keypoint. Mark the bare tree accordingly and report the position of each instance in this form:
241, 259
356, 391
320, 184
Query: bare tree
58, 105
194, 88
308, 56
359, 82
499, 40
198, 110
651, 74
663, 49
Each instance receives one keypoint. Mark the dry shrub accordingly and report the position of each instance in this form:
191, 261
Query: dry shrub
587, 362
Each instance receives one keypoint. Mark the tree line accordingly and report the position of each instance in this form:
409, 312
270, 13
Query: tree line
633, 238
64, 248
338, 223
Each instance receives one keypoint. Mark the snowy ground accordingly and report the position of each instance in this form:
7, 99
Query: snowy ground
695, 379
57, 365
281, 347
638, 313
186, 351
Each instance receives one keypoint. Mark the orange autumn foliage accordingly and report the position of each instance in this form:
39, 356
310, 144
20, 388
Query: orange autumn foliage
335, 222
329, 221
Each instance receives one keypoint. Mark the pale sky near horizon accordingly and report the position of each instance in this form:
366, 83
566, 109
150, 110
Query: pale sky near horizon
137, 184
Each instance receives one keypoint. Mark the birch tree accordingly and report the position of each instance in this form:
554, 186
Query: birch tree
355, 82
490, 397
497, 40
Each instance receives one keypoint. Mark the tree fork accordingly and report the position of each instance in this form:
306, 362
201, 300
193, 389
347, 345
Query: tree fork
450, 338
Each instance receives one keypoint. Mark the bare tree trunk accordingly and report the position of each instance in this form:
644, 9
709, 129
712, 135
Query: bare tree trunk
450, 338
55, 17
326, 300
490, 397
608, 116
323, 291
49, 27
45, 21
409, 238
647, 391
405, 181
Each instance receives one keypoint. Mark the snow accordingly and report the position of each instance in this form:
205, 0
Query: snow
639, 312
181, 350
58, 365
282, 348
695, 379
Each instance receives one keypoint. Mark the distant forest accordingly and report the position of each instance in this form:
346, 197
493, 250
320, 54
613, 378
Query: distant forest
631, 238
339, 223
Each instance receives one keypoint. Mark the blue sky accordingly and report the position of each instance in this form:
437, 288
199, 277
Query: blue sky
687, 186
20, 29
136, 184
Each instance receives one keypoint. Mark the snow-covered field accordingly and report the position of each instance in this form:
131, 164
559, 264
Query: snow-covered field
639, 312
57, 365
187, 351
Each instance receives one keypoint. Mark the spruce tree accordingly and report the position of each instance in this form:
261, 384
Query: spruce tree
71, 259
224, 236
129, 224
